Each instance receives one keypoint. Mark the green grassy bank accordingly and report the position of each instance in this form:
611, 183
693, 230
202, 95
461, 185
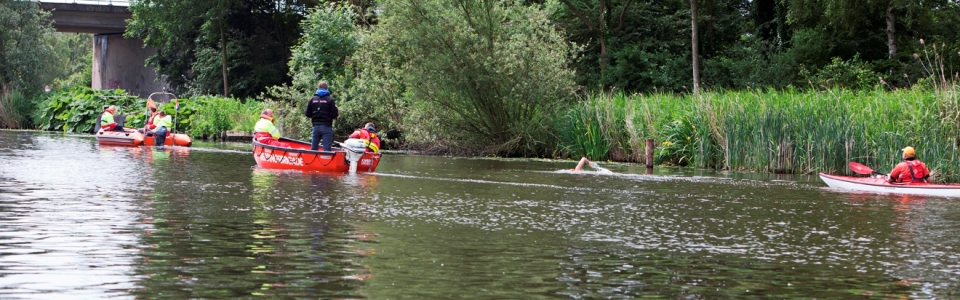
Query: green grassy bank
787, 131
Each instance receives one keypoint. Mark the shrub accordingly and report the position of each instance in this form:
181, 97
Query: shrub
211, 115
77, 109
15, 110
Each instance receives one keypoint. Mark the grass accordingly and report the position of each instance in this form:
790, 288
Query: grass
786, 131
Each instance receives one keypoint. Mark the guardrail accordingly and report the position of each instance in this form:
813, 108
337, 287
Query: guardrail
91, 2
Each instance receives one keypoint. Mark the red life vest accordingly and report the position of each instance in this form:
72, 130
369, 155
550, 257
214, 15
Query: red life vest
910, 171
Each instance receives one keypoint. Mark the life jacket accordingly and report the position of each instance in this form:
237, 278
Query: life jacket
165, 121
370, 138
106, 118
918, 171
910, 170
265, 127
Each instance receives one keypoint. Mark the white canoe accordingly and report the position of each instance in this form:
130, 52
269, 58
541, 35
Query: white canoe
880, 185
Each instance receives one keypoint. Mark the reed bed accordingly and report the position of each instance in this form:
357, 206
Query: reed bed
787, 131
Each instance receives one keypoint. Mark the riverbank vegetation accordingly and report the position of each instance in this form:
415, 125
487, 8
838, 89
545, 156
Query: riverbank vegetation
786, 86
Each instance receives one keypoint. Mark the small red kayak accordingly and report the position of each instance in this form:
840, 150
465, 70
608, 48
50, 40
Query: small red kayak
880, 185
299, 157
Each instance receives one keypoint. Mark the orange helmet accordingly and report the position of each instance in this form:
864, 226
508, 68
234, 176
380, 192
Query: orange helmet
909, 152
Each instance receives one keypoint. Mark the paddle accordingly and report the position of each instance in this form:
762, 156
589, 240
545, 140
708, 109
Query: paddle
861, 169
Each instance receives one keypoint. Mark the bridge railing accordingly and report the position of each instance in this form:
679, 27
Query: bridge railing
91, 2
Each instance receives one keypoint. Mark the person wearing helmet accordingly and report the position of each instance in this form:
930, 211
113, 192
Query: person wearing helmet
369, 134
910, 170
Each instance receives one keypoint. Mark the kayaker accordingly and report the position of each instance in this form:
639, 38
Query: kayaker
369, 135
322, 110
910, 170
162, 122
583, 161
265, 132
106, 120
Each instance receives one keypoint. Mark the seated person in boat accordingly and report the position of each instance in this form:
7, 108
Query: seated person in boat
162, 124
910, 170
150, 121
265, 132
106, 120
583, 161
369, 135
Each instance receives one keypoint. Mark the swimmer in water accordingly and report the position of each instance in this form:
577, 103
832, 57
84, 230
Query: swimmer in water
584, 160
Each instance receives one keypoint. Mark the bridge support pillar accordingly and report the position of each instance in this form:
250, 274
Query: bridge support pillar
119, 63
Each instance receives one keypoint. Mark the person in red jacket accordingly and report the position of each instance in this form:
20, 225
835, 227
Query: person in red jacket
910, 170
369, 134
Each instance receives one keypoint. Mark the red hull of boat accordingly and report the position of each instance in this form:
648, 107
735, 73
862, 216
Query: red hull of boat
130, 138
300, 157
133, 138
176, 139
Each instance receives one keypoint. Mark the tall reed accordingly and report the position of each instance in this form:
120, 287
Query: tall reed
787, 131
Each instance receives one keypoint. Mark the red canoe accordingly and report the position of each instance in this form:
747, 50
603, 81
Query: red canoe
300, 157
880, 185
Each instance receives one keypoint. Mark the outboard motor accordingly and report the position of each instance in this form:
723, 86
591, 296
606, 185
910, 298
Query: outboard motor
354, 149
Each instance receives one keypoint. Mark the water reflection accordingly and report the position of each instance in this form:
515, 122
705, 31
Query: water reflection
82, 221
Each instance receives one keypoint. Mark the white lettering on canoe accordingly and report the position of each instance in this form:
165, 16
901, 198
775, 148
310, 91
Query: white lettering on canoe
293, 159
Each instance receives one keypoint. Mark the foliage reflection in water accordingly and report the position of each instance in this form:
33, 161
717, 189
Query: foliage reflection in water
78, 220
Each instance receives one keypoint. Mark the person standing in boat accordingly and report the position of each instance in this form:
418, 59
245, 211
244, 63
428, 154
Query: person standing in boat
369, 135
322, 110
910, 170
162, 122
106, 120
265, 132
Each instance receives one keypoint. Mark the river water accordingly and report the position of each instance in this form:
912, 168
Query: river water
78, 220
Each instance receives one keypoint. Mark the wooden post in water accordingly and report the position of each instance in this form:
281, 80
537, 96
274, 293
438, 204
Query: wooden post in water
649, 160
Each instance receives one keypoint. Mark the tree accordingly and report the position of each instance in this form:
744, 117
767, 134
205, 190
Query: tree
24, 47
694, 44
488, 71
238, 47
603, 12
329, 38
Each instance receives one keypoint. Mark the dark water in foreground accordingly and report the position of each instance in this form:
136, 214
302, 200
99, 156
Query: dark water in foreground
82, 221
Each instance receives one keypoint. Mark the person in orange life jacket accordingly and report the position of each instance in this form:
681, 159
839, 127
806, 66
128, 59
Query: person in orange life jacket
150, 121
265, 132
322, 110
106, 120
910, 170
369, 134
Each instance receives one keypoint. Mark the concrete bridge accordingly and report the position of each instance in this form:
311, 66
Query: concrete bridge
118, 62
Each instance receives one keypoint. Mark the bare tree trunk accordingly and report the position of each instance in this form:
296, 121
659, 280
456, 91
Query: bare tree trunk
891, 32
223, 51
694, 39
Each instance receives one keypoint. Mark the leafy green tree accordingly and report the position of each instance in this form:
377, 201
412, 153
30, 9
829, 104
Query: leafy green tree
236, 47
884, 33
329, 38
489, 72
23, 47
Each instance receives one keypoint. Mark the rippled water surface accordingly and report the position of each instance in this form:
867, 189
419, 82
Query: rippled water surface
79, 220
